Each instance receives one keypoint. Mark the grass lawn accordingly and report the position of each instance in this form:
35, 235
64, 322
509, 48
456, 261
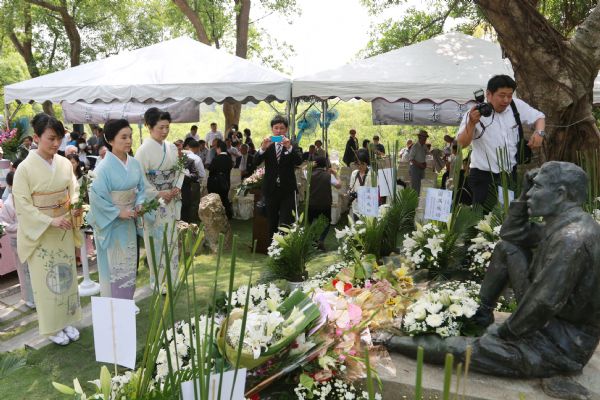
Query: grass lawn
62, 364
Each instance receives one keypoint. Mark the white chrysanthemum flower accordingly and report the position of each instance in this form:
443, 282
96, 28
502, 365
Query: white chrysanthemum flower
434, 320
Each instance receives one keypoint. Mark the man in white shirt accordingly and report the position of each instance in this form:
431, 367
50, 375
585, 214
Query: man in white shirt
232, 151
500, 130
190, 148
210, 137
193, 133
405, 151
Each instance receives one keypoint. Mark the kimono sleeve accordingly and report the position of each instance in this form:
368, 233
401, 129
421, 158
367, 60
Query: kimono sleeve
102, 208
33, 222
149, 190
140, 196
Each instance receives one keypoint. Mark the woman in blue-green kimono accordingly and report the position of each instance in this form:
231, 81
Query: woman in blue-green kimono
116, 195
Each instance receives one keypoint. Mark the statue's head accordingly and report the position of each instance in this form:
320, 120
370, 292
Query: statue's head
557, 186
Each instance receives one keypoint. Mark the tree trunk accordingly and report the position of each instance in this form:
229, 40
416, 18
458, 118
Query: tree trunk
233, 110
25, 48
554, 74
194, 20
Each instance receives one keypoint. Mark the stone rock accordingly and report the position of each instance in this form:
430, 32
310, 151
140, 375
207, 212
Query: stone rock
213, 217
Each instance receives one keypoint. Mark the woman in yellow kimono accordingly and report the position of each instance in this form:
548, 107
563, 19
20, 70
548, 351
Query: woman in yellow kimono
163, 178
44, 187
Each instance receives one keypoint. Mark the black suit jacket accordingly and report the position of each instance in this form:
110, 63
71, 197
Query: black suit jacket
284, 169
350, 151
249, 165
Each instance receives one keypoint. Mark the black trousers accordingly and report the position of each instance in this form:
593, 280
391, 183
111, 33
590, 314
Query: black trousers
280, 206
484, 185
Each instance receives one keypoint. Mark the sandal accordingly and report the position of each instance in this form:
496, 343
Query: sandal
60, 339
72, 333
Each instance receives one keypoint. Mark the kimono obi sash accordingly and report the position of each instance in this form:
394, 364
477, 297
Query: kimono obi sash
52, 204
123, 199
162, 180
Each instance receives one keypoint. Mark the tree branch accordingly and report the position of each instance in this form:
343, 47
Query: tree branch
434, 21
587, 36
45, 4
194, 20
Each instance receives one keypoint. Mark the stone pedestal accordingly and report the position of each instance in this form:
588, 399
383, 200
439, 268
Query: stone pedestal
243, 207
478, 386
212, 214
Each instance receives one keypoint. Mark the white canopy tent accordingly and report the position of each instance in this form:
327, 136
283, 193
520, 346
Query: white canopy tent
448, 67
176, 69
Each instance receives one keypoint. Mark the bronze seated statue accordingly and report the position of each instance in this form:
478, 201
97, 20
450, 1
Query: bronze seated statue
553, 268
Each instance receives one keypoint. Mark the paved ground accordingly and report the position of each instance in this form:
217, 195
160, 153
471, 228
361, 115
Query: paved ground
18, 326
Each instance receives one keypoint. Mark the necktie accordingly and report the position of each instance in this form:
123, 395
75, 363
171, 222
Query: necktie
278, 151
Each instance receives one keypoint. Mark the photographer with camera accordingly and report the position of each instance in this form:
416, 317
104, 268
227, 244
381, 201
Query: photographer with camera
492, 126
359, 177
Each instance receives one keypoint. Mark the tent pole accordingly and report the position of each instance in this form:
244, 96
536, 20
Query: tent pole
292, 119
324, 105
140, 128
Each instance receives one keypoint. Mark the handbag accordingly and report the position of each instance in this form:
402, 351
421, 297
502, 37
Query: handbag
524, 153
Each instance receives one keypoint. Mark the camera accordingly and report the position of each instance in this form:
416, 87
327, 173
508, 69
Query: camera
485, 109
352, 195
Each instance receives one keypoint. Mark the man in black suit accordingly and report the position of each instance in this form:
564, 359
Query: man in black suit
351, 148
279, 183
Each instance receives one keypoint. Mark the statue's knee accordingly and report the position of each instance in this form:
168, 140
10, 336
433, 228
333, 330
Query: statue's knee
511, 253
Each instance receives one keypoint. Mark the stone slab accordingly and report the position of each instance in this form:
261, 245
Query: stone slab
478, 386
32, 339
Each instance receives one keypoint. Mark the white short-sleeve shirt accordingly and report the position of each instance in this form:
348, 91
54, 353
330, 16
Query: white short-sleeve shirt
501, 131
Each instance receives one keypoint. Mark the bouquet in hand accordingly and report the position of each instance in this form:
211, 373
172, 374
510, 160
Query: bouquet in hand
150, 205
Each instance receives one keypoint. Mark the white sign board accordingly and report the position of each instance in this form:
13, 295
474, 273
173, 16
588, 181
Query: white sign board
186, 110
368, 201
114, 330
511, 195
385, 182
425, 112
187, 388
438, 204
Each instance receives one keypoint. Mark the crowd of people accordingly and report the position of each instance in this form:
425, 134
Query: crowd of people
41, 216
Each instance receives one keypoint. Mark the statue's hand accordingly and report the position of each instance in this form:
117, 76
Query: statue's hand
528, 183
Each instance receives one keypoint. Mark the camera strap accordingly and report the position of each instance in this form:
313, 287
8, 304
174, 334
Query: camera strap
513, 106
524, 153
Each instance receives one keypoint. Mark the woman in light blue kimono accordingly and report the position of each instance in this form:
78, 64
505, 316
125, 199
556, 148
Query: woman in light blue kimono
163, 175
116, 195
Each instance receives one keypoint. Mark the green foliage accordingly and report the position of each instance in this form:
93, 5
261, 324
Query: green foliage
434, 16
9, 363
296, 246
381, 234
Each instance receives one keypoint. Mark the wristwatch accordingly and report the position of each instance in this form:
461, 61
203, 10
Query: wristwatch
542, 133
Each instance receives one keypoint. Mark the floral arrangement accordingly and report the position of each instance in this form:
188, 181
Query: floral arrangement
9, 141
262, 297
292, 247
479, 253
151, 205
442, 310
425, 247
252, 182
378, 235
350, 238
317, 387
181, 344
